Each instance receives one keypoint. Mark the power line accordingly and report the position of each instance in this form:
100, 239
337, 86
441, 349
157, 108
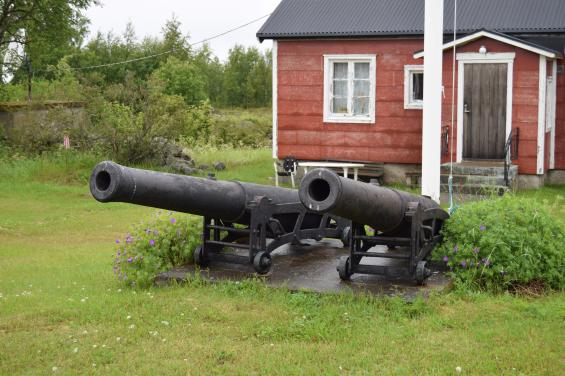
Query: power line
165, 52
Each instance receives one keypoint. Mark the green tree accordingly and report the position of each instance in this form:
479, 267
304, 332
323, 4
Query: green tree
247, 78
183, 78
49, 29
213, 71
174, 40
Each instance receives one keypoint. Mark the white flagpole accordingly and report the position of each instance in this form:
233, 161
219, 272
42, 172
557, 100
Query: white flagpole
431, 128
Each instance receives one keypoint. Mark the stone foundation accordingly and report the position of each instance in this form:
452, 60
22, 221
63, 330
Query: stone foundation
530, 181
556, 177
400, 173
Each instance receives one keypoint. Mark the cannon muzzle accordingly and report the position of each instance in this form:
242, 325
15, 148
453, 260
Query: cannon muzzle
384, 209
226, 200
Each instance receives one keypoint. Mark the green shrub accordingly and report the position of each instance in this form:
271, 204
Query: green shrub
503, 243
156, 247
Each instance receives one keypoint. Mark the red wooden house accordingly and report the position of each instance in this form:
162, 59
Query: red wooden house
348, 78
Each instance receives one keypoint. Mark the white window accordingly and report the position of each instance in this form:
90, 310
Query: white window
349, 88
413, 86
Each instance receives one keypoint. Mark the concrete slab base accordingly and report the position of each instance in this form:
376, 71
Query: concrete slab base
313, 267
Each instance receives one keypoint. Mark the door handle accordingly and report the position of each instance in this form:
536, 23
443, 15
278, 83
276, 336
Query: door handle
466, 109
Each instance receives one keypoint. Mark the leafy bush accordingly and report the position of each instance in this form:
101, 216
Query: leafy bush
156, 247
128, 136
502, 244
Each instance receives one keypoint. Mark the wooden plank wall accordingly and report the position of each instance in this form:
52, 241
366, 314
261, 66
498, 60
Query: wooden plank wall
395, 137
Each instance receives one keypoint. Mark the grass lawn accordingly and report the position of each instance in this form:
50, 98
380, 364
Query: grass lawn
63, 312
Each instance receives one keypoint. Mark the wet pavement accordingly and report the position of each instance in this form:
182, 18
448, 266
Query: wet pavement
313, 267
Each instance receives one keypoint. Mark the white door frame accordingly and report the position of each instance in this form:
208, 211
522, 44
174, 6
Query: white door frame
478, 58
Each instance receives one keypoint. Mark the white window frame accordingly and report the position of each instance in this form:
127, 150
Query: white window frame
329, 60
409, 102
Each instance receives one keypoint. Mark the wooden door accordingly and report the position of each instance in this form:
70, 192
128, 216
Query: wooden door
484, 111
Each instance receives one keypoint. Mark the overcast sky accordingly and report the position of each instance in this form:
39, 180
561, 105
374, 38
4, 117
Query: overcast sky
200, 18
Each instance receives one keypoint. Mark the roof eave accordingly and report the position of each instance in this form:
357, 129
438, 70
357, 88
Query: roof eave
540, 50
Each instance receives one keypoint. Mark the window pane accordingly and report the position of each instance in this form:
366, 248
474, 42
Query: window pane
418, 86
362, 70
339, 106
340, 70
340, 88
361, 88
361, 106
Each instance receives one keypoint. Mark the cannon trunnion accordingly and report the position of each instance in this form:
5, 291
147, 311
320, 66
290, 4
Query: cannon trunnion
236, 215
407, 224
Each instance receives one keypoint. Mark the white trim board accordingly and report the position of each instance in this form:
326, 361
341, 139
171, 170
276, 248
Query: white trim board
490, 58
500, 38
541, 114
552, 136
275, 98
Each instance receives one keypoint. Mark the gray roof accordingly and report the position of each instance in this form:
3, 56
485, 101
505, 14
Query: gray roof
370, 18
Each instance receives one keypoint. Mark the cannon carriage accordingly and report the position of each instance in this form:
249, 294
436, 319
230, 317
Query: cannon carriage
236, 215
407, 224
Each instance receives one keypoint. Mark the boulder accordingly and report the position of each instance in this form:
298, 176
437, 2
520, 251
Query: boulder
183, 167
219, 166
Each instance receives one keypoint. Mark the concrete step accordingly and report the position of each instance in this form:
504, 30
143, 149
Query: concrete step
468, 168
476, 189
487, 180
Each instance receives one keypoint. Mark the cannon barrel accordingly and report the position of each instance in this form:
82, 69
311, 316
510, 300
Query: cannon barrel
226, 200
383, 209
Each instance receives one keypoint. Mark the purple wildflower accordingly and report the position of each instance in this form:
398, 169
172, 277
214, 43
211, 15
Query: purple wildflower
445, 259
117, 241
486, 261
476, 250
156, 232
173, 221
482, 228
130, 260
455, 249
463, 264
152, 242
129, 239
147, 231
118, 254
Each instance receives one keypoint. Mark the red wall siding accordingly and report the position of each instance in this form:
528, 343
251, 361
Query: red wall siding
396, 135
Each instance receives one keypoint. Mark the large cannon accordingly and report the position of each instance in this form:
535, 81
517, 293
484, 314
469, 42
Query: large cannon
408, 224
270, 216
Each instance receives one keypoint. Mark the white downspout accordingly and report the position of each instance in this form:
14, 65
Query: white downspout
433, 72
